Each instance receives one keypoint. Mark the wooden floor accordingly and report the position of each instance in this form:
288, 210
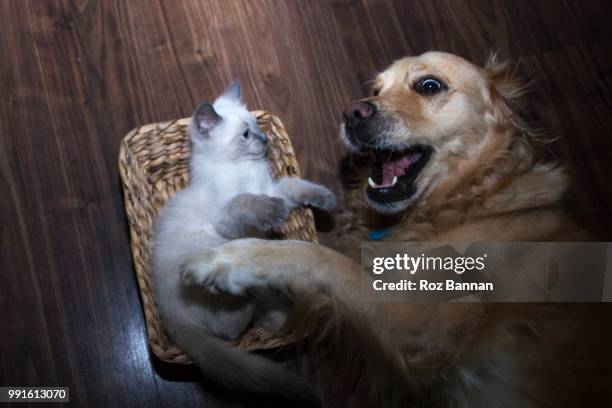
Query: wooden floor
76, 76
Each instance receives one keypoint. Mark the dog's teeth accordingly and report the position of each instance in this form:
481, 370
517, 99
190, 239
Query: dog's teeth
394, 180
371, 182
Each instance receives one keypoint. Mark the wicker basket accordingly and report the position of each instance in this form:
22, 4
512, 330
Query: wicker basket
154, 165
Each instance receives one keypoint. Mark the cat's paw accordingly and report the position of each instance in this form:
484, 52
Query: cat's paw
320, 197
270, 214
252, 215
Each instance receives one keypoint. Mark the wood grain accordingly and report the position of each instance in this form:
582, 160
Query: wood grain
76, 76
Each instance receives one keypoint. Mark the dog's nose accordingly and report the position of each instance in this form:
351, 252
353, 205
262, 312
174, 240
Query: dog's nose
357, 112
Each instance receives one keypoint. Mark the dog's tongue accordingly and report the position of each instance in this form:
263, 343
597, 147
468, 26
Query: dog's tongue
397, 168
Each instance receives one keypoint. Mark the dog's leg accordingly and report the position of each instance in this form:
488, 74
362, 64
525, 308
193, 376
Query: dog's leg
253, 263
353, 337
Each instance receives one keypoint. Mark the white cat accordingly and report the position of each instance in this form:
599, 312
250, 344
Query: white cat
231, 195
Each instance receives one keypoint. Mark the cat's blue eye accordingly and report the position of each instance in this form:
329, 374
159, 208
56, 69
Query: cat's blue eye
245, 134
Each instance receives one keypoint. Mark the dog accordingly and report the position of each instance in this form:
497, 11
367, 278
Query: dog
444, 156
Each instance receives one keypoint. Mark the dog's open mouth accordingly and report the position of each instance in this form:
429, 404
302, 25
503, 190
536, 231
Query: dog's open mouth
394, 173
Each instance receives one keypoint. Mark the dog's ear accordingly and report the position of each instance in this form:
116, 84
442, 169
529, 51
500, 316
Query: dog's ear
507, 92
504, 80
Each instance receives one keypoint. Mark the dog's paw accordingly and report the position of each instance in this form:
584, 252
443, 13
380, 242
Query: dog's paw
209, 271
231, 268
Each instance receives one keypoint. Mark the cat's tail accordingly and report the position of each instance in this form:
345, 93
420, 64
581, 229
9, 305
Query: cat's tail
244, 372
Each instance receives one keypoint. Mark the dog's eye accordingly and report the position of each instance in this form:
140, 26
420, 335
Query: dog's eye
375, 91
429, 86
245, 134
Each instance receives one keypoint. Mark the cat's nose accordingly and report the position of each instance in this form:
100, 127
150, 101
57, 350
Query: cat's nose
263, 137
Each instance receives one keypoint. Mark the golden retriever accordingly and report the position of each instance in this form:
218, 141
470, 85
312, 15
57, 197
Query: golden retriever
449, 159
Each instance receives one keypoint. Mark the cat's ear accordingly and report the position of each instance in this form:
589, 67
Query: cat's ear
205, 118
233, 91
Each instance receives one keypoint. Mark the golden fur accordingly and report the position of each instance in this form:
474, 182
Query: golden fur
485, 173
483, 183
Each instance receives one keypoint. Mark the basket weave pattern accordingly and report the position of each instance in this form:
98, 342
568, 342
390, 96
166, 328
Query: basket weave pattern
154, 165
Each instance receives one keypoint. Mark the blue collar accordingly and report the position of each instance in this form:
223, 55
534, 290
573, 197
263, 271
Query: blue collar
377, 235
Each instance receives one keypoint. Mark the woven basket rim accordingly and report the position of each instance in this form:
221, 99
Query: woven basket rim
134, 176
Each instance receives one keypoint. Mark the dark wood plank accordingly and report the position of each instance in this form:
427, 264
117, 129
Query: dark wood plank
78, 75
93, 71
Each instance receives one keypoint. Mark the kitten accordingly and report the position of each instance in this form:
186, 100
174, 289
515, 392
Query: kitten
232, 195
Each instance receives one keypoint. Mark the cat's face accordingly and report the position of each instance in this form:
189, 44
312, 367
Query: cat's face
225, 127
